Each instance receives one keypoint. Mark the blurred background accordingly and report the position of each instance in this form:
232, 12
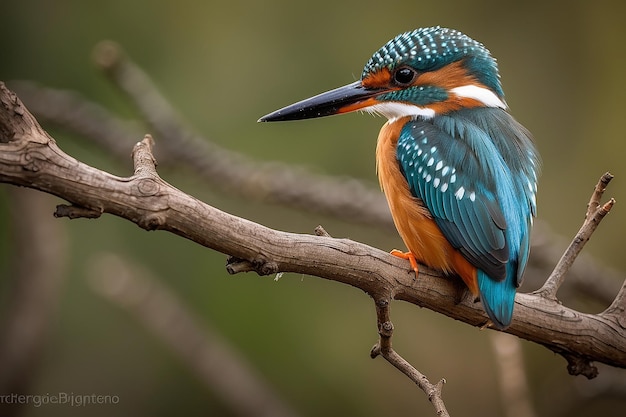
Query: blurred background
222, 65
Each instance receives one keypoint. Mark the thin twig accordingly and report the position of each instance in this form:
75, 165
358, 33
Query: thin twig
385, 349
595, 214
588, 279
201, 348
143, 158
320, 231
598, 191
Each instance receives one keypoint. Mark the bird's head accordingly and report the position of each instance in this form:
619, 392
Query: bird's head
426, 72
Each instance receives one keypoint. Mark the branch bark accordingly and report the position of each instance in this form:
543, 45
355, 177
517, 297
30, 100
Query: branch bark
30, 157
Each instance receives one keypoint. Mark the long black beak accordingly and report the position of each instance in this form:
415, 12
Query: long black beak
340, 100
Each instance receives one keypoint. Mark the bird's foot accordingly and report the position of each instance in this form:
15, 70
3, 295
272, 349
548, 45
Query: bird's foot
487, 325
408, 256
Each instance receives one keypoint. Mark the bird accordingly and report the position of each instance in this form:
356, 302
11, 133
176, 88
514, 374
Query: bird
458, 171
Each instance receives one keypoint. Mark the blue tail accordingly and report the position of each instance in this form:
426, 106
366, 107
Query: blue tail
498, 297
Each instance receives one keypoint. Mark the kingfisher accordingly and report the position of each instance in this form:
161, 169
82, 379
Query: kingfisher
458, 171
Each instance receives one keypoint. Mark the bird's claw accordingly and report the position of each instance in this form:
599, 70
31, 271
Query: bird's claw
408, 256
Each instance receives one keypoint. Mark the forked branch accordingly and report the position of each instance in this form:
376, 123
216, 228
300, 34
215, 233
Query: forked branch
384, 348
595, 214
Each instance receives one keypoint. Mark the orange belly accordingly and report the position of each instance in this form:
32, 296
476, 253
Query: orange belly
415, 225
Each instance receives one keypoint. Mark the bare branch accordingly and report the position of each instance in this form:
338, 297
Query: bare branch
143, 158
320, 231
289, 185
595, 214
598, 191
384, 349
34, 160
201, 348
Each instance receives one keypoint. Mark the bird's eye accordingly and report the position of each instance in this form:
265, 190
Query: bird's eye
404, 76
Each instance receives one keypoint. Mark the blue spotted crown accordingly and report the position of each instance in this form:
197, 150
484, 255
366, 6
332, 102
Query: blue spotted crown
428, 49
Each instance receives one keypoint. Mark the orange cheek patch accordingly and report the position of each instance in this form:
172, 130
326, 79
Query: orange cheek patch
448, 77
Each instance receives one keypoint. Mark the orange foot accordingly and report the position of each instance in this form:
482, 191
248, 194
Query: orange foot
409, 256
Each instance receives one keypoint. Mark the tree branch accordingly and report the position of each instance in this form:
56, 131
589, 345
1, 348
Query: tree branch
31, 158
595, 214
349, 200
384, 349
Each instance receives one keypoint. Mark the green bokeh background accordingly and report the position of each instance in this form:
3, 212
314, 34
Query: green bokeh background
222, 65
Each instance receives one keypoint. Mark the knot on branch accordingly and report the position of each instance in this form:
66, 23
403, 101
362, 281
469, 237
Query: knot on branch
147, 187
76, 212
262, 267
29, 163
435, 392
577, 365
385, 329
152, 221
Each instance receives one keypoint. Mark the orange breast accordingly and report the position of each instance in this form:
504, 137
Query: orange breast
415, 225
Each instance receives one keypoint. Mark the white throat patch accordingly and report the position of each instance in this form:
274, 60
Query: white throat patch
394, 110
